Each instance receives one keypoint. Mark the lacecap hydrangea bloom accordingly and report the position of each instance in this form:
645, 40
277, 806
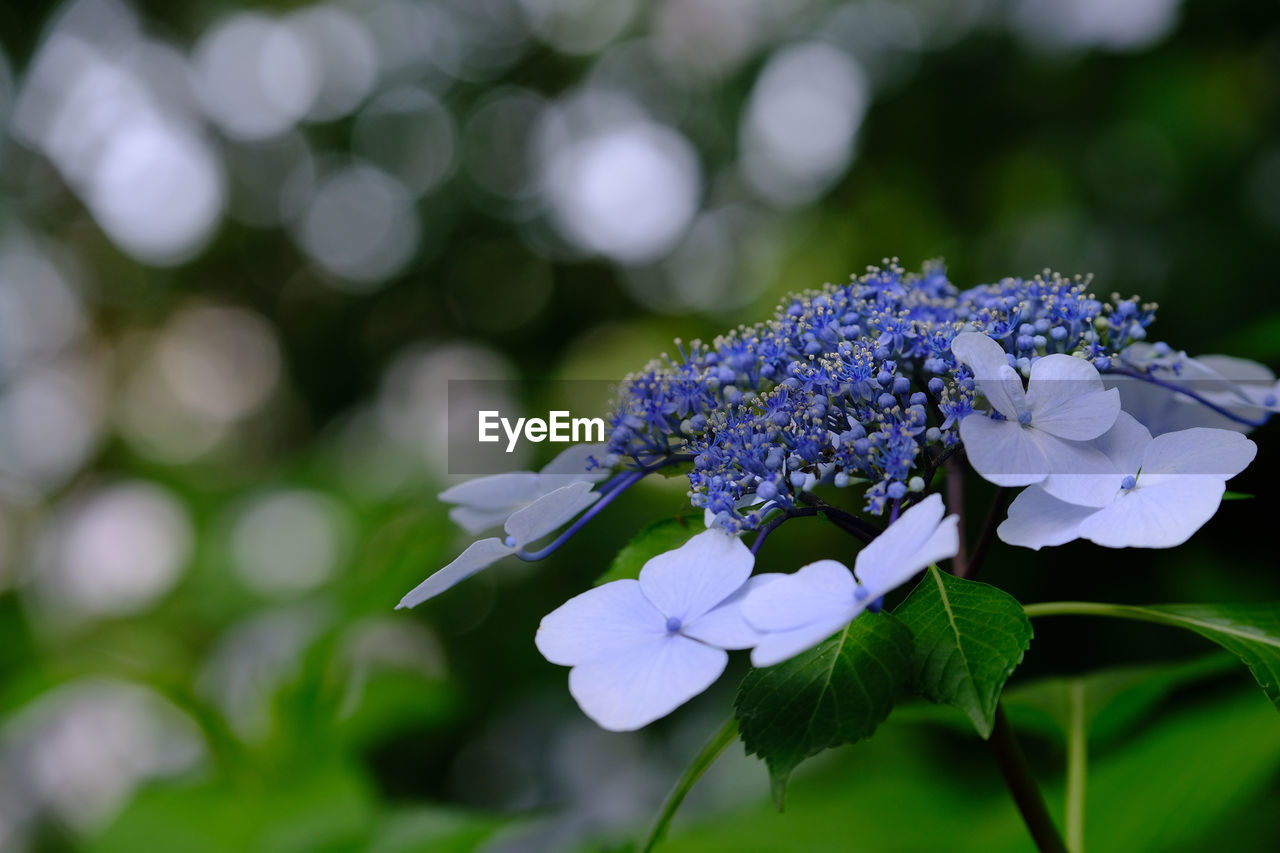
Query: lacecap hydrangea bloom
872, 389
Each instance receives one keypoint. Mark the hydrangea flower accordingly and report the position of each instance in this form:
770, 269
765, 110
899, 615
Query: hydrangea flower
875, 383
796, 612
524, 527
1159, 492
488, 501
1038, 431
1169, 391
641, 648
849, 384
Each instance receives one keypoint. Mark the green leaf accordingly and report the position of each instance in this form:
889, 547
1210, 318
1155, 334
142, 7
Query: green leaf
657, 538
969, 637
835, 693
1251, 632
1236, 496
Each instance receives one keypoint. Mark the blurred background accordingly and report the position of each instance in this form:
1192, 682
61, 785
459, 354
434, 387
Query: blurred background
244, 247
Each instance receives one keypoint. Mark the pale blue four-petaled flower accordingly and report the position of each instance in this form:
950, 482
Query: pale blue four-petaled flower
487, 502
1158, 492
526, 525
1043, 429
1245, 392
641, 648
796, 612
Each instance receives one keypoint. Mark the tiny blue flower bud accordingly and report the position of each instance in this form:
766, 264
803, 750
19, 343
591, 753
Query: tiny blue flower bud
915, 484
798, 478
919, 399
673, 624
1128, 482
767, 490
933, 435
841, 480
1024, 417
510, 541
936, 385
1058, 332
896, 491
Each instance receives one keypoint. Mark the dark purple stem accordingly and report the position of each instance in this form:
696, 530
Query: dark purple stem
775, 523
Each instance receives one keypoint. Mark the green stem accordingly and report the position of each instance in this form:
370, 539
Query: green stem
1098, 608
1022, 786
704, 759
1077, 765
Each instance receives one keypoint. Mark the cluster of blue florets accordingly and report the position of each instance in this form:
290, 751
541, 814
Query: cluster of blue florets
849, 385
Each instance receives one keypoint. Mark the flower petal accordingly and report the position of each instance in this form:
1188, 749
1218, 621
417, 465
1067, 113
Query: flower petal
650, 680
777, 646
600, 623
1037, 519
919, 537
474, 520
701, 573
509, 491
1124, 445
571, 465
1066, 398
724, 626
1009, 454
818, 592
989, 363
1156, 516
550, 512
1217, 452
479, 555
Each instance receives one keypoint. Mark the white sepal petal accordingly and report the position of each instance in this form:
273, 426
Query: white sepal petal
989, 364
1037, 519
599, 623
1124, 445
818, 592
550, 512
498, 491
919, 537
694, 578
645, 682
571, 465
778, 646
1199, 451
724, 626
1066, 398
1156, 516
479, 555
1009, 454
475, 520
